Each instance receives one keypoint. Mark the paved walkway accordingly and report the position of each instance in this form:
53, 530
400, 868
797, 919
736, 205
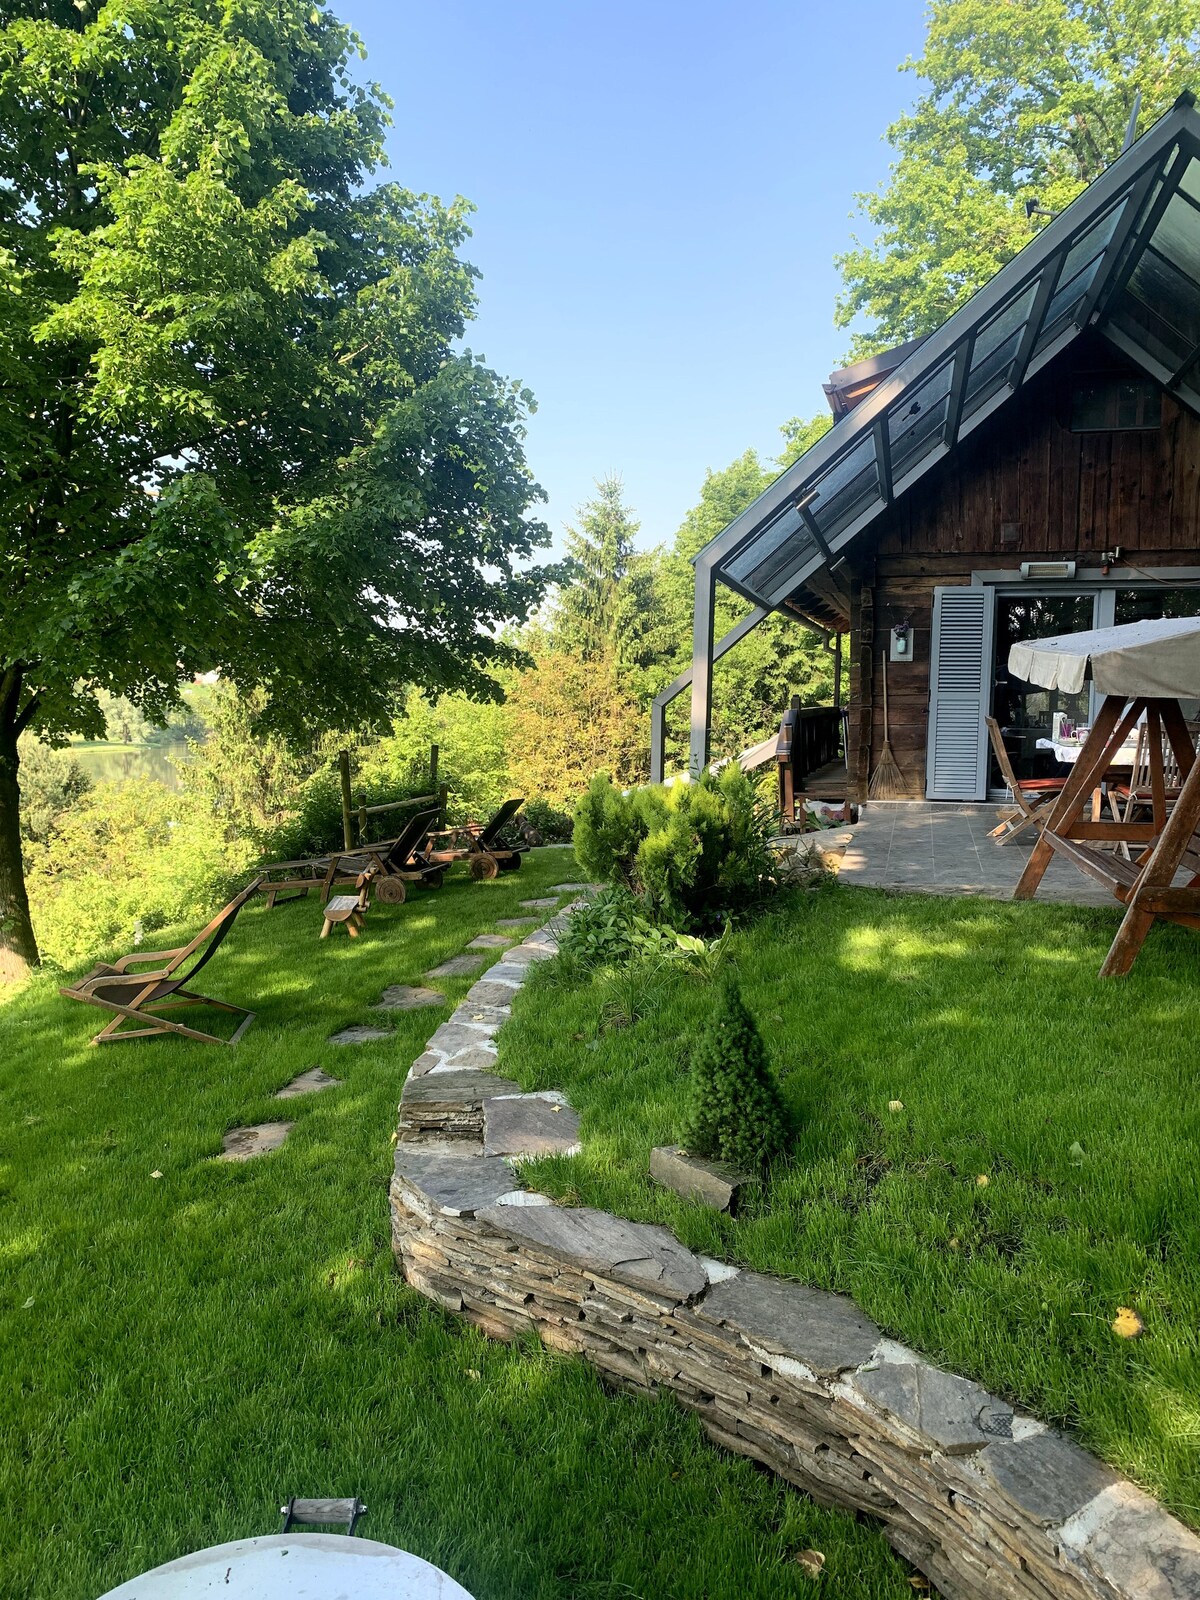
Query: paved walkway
930, 847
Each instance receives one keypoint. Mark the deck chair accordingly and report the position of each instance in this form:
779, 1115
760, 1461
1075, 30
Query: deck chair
137, 997
387, 865
1032, 797
480, 844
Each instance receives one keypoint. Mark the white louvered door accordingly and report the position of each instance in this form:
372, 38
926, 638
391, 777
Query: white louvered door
960, 672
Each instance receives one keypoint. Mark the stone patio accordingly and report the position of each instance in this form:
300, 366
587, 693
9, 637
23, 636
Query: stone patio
931, 847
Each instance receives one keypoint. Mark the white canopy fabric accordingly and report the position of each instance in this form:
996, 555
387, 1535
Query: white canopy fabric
1160, 658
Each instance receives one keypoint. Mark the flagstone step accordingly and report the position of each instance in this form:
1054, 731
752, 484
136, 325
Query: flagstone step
242, 1144
310, 1082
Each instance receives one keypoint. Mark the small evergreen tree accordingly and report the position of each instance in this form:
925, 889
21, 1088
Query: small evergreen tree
736, 1113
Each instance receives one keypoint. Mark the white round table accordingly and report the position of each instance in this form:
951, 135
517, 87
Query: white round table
294, 1566
1068, 754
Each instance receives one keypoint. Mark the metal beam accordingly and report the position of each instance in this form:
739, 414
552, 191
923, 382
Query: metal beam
1037, 315
883, 458
702, 665
1154, 216
658, 707
1115, 246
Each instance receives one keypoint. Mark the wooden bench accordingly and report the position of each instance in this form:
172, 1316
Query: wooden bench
345, 908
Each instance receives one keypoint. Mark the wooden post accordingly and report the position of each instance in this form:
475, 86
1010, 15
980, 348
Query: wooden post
362, 817
443, 800
344, 774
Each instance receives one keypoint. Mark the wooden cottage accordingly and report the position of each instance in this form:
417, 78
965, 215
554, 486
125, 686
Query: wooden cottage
1031, 468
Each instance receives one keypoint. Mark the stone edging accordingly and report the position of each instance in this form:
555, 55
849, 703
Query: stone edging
990, 1504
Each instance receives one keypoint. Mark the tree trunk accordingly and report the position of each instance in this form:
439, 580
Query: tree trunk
18, 948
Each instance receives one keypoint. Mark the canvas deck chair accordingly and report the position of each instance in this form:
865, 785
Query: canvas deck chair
138, 996
1032, 797
387, 865
481, 846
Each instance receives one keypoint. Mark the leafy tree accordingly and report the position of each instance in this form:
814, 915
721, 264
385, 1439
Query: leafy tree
599, 550
236, 426
568, 717
735, 1113
1029, 100
248, 781
53, 781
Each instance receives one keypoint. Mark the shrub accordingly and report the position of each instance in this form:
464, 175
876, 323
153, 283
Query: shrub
540, 823
609, 930
51, 782
694, 852
735, 1113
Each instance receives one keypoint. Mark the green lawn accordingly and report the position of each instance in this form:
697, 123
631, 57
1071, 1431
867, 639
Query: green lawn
990, 1024
182, 1352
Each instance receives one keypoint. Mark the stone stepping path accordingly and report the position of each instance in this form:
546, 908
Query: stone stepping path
515, 922
242, 1144
457, 967
310, 1082
575, 888
539, 905
360, 1033
402, 997
489, 941
530, 1125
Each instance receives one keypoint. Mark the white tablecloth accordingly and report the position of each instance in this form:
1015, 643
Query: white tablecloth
1069, 753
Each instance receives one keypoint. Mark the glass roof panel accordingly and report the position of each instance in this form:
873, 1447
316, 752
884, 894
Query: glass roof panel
788, 530
848, 486
995, 346
917, 424
1190, 182
1173, 298
1178, 235
1091, 243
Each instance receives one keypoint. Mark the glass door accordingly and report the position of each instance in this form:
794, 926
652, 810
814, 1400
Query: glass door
1025, 711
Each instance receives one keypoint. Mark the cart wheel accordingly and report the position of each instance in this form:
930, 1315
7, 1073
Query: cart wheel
434, 880
390, 891
511, 864
484, 866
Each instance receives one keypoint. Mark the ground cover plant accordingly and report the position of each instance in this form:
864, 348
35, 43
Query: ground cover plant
993, 1150
185, 1343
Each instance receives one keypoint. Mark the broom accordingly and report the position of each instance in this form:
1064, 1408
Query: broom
886, 782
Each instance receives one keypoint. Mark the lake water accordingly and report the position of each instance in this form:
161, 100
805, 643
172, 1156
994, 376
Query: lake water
106, 764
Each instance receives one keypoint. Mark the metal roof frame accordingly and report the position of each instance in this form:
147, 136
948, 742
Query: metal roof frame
1163, 152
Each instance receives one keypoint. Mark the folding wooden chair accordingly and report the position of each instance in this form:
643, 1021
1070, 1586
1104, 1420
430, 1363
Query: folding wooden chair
136, 997
1032, 797
479, 844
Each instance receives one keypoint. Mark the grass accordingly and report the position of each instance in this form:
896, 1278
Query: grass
180, 1353
1074, 1098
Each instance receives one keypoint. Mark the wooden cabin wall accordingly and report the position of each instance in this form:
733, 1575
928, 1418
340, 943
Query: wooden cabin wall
1023, 488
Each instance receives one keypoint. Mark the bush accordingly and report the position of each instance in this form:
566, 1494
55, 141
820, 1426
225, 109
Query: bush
694, 852
540, 823
735, 1113
609, 930
51, 782
126, 853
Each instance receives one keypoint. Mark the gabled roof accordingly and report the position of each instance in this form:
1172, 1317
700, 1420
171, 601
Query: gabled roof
1124, 258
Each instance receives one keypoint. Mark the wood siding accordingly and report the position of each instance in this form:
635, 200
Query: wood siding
1023, 488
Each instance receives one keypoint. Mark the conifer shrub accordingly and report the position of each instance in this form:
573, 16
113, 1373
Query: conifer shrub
693, 852
735, 1113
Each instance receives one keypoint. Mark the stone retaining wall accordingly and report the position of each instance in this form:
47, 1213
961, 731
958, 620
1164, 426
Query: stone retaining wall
990, 1504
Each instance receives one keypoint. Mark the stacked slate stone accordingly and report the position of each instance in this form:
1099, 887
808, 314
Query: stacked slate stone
990, 1504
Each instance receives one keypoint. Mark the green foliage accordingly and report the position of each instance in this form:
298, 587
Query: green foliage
694, 852
734, 1109
128, 853
238, 427
599, 550
550, 825
247, 781
51, 782
610, 929
1025, 101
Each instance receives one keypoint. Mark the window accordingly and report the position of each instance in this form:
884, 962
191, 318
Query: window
1115, 406
1142, 605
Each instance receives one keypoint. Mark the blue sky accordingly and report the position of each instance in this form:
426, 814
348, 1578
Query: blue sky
661, 189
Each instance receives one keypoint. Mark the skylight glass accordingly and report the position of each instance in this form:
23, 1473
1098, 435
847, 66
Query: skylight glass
847, 488
917, 424
782, 543
995, 347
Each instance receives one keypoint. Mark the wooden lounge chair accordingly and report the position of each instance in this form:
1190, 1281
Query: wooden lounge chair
138, 996
1032, 797
480, 845
387, 866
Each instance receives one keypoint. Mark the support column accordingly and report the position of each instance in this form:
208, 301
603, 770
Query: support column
658, 739
702, 666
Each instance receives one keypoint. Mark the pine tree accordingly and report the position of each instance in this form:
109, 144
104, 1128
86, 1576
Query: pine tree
600, 548
736, 1113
